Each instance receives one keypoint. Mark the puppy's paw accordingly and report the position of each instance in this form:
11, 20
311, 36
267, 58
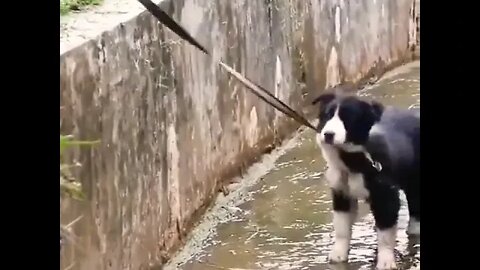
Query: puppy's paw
386, 260
339, 253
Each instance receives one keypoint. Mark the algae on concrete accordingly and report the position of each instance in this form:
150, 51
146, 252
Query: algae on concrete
66, 6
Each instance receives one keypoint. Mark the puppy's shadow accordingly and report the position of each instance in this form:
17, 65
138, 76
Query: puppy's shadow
409, 260
341, 266
413, 245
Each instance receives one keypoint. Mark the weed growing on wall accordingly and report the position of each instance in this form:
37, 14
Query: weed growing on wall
67, 6
69, 186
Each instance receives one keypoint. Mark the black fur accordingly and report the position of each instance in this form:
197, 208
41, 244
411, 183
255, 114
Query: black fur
341, 202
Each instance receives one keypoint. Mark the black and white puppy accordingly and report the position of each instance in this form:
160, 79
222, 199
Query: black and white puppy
372, 152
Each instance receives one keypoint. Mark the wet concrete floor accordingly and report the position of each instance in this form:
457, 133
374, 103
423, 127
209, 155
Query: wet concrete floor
282, 219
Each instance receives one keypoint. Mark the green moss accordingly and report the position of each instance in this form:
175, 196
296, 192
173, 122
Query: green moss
67, 6
69, 186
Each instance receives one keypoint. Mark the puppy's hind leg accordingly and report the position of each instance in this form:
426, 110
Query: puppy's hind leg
413, 201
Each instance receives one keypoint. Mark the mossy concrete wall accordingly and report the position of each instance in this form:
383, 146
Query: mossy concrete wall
173, 127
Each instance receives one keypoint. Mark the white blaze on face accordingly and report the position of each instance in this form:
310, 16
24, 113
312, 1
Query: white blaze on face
336, 127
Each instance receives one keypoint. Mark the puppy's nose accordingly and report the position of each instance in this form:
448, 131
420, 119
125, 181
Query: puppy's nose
328, 136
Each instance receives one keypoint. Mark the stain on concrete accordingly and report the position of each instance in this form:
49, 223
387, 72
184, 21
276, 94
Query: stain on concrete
333, 73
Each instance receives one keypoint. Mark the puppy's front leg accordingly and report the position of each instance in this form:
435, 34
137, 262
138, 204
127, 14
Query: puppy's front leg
344, 214
385, 206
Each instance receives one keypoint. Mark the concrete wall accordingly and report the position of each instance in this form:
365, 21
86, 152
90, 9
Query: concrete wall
174, 127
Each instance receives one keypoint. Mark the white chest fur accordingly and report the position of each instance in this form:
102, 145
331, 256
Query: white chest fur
338, 176
352, 184
356, 186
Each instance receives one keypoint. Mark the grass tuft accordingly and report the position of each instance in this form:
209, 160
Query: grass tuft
67, 6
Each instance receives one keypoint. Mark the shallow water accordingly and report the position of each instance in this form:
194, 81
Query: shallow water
285, 221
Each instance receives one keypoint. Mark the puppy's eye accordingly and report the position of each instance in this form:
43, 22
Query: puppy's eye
330, 112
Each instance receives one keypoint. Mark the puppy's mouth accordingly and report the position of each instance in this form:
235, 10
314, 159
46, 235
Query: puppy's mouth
345, 146
350, 147
338, 146
328, 143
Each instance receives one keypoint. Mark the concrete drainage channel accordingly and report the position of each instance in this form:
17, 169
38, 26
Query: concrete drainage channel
172, 126
279, 215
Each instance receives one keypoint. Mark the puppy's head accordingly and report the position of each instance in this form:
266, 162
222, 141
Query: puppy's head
345, 120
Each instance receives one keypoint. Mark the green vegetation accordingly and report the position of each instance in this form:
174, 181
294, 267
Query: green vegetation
69, 186
67, 6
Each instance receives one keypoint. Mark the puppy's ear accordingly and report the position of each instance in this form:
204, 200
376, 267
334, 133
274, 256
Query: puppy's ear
324, 99
377, 109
